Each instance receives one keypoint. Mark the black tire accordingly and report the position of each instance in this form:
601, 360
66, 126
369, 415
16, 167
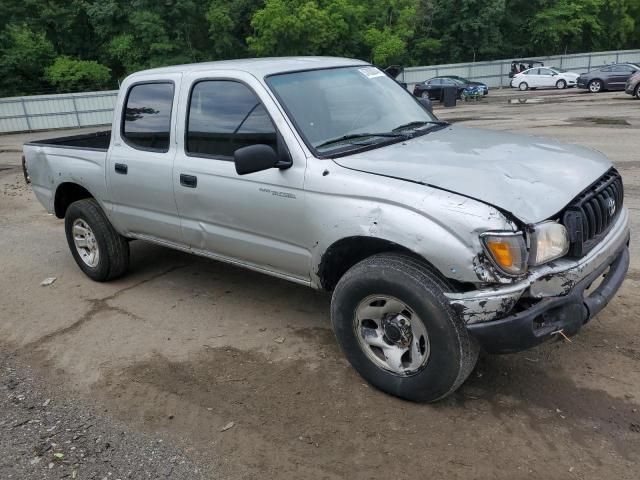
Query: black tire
453, 352
596, 85
561, 84
523, 86
636, 93
113, 248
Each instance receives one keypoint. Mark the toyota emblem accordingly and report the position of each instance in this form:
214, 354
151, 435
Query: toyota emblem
611, 207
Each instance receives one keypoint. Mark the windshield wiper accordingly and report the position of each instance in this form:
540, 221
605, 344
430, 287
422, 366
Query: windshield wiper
355, 136
418, 124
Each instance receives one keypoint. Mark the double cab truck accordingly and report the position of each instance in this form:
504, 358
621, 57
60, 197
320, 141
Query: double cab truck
434, 240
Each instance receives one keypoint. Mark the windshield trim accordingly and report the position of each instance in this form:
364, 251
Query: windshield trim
337, 153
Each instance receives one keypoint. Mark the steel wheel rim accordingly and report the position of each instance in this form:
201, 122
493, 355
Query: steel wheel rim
391, 335
85, 243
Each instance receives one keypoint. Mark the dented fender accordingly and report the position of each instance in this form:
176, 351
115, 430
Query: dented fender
442, 227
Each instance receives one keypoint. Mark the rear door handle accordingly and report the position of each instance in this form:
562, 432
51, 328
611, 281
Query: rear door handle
121, 168
190, 181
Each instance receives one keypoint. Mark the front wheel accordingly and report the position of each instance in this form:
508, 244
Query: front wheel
637, 92
595, 86
396, 327
100, 252
561, 84
523, 86
425, 95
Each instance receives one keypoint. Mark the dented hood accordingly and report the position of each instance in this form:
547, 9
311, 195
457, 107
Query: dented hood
532, 178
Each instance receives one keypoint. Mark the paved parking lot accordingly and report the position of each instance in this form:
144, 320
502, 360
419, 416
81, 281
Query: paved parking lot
181, 347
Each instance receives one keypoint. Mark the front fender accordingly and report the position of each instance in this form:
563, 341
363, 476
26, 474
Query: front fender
441, 227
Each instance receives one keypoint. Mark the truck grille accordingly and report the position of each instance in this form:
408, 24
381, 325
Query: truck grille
590, 216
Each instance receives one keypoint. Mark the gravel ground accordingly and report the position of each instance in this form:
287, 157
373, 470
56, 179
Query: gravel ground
47, 435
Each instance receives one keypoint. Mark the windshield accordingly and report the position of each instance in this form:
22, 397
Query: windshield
341, 110
559, 70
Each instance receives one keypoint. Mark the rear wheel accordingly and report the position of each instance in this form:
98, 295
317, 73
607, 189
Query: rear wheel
561, 84
396, 327
100, 252
523, 86
595, 86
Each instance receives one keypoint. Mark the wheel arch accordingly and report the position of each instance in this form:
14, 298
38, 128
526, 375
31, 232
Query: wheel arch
66, 194
347, 252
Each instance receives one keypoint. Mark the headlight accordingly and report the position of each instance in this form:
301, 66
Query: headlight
549, 240
507, 250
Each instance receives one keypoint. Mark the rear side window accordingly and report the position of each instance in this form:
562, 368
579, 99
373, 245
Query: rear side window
147, 116
224, 116
623, 69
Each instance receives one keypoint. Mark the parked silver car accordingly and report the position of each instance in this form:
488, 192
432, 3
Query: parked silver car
435, 240
632, 87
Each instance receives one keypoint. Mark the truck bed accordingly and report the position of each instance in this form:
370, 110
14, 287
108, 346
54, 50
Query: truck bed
88, 141
55, 161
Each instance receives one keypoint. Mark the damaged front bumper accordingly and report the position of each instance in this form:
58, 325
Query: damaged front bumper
554, 297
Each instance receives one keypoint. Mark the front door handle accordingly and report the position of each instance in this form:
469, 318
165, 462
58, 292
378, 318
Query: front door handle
121, 168
189, 181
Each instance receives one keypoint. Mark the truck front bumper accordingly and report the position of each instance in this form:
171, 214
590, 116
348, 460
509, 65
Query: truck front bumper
555, 297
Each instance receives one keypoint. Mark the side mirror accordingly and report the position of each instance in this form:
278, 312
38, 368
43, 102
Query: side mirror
426, 104
254, 158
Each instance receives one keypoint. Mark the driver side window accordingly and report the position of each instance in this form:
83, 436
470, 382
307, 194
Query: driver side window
224, 116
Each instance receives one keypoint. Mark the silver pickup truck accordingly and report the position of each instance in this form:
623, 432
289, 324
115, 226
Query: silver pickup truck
435, 240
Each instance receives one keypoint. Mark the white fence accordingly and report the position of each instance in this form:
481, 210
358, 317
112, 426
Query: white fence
496, 73
45, 112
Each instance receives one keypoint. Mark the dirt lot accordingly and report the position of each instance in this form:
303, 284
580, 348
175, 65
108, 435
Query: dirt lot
157, 364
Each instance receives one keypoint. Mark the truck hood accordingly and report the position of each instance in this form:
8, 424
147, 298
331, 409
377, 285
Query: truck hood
532, 178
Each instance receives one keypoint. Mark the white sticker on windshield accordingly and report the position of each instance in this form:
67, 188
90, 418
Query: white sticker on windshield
371, 72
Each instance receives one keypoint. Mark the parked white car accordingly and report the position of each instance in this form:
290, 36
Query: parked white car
544, 77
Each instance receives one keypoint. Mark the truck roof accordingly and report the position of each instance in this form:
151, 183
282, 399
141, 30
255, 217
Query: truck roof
260, 67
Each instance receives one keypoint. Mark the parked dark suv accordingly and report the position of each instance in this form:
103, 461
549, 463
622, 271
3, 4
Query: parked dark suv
609, 77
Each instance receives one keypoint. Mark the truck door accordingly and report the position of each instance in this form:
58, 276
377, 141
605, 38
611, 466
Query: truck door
256, 219
140, 166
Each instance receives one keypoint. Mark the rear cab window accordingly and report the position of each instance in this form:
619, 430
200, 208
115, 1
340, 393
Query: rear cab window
146, 119
223, 116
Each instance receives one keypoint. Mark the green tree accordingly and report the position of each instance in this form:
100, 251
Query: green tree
129, 35
24, 54
229, 26
70, 75
297, 27
567, 26
618, 24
